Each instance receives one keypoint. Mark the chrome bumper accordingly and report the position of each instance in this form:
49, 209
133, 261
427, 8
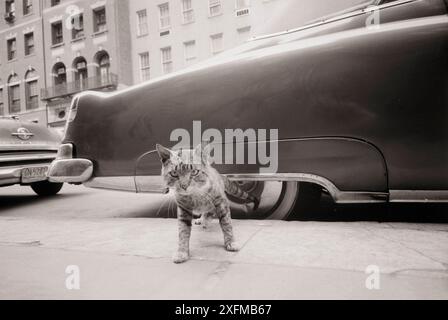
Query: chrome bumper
13, 175
70, 170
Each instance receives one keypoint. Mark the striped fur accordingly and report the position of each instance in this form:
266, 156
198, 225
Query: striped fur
200, 192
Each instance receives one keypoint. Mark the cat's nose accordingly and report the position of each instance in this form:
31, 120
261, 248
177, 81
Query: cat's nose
184, 186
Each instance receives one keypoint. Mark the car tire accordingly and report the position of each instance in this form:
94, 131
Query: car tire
291, 201
46, 188
307, 202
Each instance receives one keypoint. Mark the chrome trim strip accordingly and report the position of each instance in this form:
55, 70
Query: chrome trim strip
126, 184
26, 135
139, 184
27, 157
28, 147
150, 184
419, 196
338, 196
154, 184
355, 13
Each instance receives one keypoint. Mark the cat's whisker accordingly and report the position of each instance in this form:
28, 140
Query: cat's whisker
168, 211
161, 206
172, 206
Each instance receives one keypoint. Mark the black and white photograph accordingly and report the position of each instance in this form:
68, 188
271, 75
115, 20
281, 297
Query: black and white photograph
223, 154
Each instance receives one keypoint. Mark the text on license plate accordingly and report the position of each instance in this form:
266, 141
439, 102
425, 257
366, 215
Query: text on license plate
36, 172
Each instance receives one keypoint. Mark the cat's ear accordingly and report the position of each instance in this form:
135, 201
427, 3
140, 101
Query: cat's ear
164, 153
203, 151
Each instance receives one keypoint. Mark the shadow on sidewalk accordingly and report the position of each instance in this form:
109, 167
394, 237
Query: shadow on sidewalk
8, 202
390, 212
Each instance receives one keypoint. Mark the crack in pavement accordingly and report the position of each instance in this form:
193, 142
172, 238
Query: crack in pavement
216, 276
405, 271
36, 243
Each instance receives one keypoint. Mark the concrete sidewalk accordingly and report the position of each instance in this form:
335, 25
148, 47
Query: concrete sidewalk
131, 258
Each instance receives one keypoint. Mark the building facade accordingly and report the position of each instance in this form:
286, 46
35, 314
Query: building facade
53, 49
22, 69
87, 47
169, 35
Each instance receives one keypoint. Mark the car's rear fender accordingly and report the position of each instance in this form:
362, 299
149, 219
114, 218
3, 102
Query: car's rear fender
351, 170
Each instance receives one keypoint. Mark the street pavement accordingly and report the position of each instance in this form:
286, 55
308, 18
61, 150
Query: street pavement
121, 244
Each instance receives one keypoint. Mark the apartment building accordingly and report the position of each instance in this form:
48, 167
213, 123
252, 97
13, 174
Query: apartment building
169, 35
87, 47
53, 49
22, 69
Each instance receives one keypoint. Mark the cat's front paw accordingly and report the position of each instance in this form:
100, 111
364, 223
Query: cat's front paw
180, 257
232, 247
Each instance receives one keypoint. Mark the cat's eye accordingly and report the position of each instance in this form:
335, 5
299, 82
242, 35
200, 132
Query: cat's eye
174, 174
194, 173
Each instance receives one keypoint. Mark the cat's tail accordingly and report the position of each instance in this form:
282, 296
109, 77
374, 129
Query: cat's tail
236, 193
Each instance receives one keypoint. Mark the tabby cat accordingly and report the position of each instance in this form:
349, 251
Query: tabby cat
200, 193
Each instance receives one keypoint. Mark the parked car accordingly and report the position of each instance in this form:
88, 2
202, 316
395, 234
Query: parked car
362, 112
26, 152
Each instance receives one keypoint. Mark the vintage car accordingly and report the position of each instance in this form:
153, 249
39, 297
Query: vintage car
360, 101
26, 152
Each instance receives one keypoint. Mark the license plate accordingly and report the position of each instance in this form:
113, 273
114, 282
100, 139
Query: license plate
35, 173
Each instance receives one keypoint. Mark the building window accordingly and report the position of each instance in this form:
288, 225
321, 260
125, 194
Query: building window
144, 66
12, 49
242, 7
2, 106
10, 10
14, 94
31, 90
103, 70
77, 27
216, 41
190, 50
242, 4
215, 7
164, 13
99, 20
27, 7
167, 62
55, 2
80, 73
187, 11
142, 23
29, 44
243, 34
57, 33
59, 74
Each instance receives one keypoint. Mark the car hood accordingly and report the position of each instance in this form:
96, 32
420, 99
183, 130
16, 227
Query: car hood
39, 136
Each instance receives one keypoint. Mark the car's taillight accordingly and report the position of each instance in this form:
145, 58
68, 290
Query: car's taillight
65, 151
71, 113
73, 110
